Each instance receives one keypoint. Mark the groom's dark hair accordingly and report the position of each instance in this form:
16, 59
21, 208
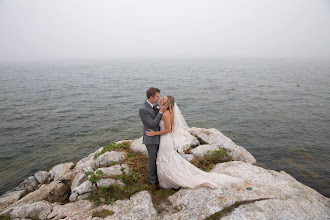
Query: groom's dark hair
152, 92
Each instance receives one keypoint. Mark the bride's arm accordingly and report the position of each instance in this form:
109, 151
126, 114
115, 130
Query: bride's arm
167, 123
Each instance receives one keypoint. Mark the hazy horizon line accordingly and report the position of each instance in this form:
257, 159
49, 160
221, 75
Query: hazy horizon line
311, 58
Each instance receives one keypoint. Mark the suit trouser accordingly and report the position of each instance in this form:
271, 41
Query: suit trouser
152, 167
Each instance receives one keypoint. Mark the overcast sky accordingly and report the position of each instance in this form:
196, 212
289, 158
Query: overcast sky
103, 29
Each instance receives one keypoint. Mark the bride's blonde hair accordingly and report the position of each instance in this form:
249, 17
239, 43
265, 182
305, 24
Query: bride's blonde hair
170, 102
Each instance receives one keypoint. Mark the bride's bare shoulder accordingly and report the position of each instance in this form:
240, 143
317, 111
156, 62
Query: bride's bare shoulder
168, 114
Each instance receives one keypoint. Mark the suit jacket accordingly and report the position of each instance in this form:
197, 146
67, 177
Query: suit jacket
150, 120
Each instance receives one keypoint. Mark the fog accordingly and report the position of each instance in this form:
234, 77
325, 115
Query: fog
108, 29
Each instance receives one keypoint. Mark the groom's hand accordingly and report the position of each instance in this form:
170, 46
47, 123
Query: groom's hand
163, 108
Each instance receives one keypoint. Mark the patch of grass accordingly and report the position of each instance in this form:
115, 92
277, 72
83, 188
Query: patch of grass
211, 158
113, 163
102, 213
5, 217
113, 147
94, 178
73, 166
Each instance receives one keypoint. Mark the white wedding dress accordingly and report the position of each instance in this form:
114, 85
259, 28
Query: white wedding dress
174, 171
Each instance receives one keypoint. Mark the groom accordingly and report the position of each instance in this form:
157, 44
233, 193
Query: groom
150, 117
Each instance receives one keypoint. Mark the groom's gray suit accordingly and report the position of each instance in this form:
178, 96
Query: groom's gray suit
150, 118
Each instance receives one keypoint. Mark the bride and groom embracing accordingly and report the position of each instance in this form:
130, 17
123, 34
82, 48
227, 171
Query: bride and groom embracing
163, 127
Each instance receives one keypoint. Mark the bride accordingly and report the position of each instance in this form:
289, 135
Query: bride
174, 171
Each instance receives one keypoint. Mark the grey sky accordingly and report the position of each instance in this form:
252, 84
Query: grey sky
67, 29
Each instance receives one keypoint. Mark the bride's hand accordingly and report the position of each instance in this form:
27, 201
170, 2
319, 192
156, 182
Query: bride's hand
150, 133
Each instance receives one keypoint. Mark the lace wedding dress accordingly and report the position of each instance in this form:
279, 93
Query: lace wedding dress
174, 171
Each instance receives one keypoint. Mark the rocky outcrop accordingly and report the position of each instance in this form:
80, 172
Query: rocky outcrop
10, 197
213, 136
266, 194
37, 210
61, 193
208, 140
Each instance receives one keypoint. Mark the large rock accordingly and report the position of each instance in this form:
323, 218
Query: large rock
77, 180
213, 136
266, 194
42, 176
85, 162
38, 210
60, 171
9, 198
107, 158
56, 191
80, 209
110, 171
138, 146
28, 185
85, 187
108, 182
139, 206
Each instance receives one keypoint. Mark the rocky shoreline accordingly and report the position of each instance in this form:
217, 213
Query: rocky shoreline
62, 192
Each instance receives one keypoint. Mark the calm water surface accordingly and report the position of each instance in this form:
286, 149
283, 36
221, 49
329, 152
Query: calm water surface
59, 112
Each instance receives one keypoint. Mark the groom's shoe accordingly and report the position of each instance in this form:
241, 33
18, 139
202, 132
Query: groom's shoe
155, 186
